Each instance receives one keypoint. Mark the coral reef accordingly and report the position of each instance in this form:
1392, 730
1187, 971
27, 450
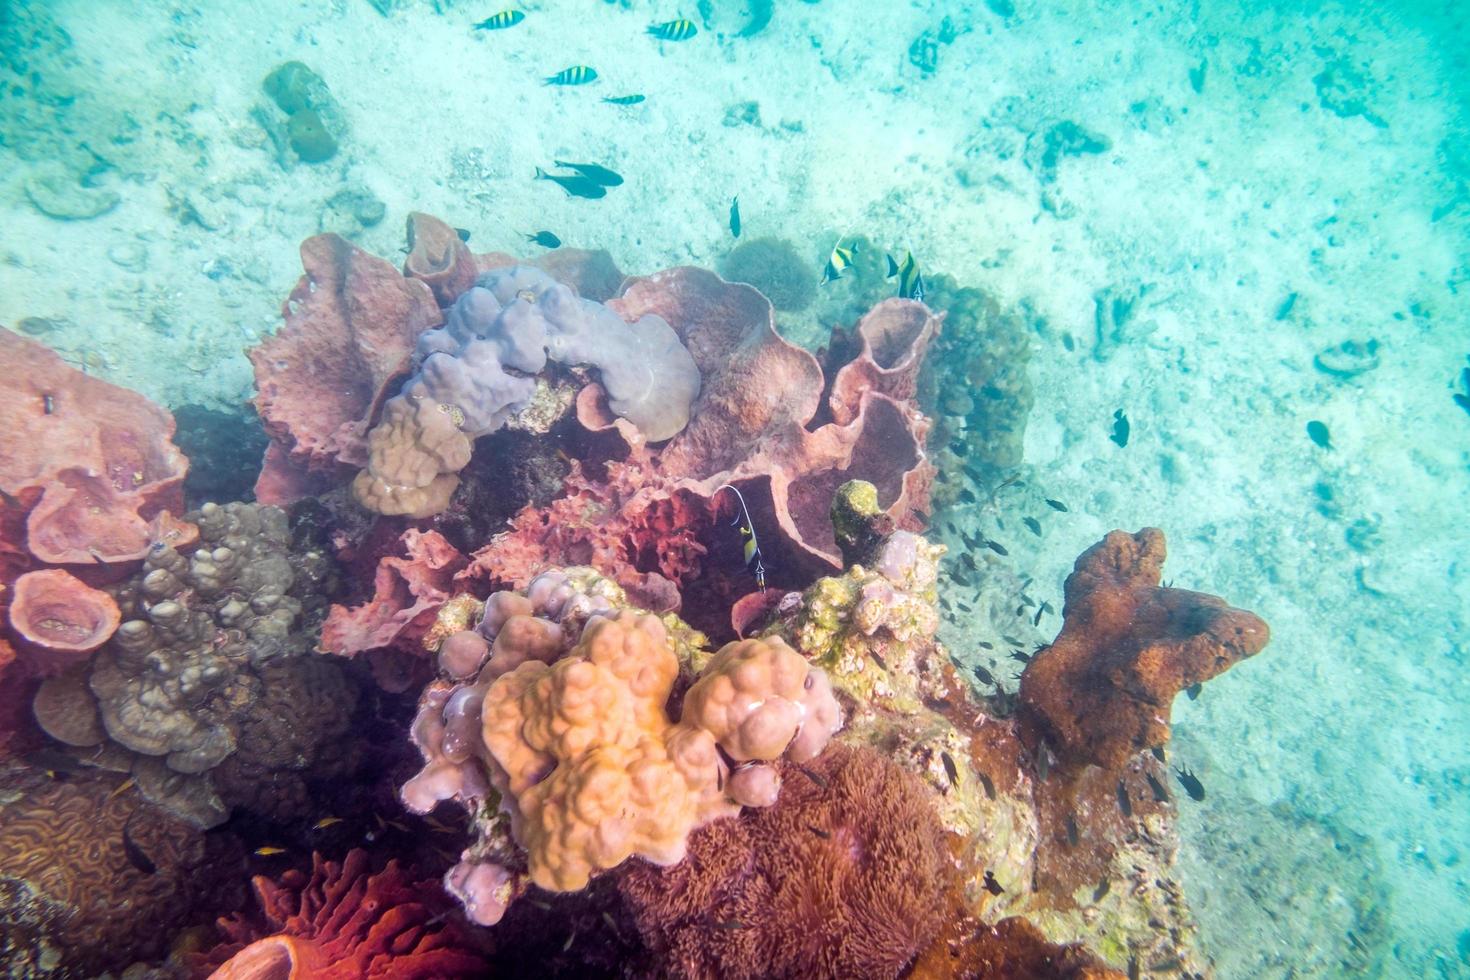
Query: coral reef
344, 921
1101, 692
1084, 854
761, 423
514, 318
314, 122
89, 464
840, 878
555, 709
224, 450
209, 678
92, 878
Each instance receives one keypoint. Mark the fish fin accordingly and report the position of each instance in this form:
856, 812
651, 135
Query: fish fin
892, 267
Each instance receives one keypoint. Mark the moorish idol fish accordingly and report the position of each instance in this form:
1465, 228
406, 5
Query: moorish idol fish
747, 533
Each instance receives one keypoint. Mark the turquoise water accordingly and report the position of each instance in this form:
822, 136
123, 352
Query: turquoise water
1226, 222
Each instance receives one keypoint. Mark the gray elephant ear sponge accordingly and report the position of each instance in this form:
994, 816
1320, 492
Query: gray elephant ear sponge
476, 370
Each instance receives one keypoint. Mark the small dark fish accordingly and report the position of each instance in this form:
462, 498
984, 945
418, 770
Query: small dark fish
596, 173
1020, 657
545, 239
969, 561
1072, 836
984, 675
1124, 803
973, 475
735, 216
463, 233
993, 886
997, 547
949, 768
989, 786
971, 542
949, 526
1317, 432
500, 21
1040, 611
1020, 610
1033, 524
878, 659
52, 760
1161, 795
1102, 889
838, 262
1158, 751
674, 30
1193, 691
963, 606
814, 776
967, 497
1284, 310
985, 645
624, 99
575, 75
1056, 505
1191, 784
958, 447
1011, 640
48, 404
825, 835
944, 603
575, 186
1120, 429
135, 855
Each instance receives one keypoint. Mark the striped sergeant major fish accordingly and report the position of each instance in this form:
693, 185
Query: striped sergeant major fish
753, 559
575, 75
674, 30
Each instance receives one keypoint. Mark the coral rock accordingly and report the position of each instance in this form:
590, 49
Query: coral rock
1102, 691
62, 616
438, 257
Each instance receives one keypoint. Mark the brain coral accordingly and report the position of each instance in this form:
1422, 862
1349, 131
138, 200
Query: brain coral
65, 850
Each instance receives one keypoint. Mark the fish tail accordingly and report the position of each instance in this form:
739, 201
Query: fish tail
541, 174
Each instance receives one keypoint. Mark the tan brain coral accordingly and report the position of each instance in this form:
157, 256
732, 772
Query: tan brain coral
597, 771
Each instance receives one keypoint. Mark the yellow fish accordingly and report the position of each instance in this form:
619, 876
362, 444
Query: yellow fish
269, 851
123, 787
575, 75
325, 822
